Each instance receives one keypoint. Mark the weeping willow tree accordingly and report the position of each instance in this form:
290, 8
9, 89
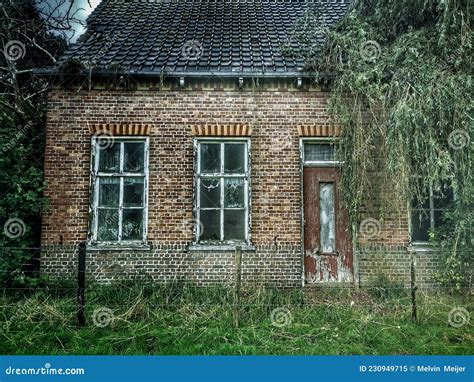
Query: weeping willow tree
402, 92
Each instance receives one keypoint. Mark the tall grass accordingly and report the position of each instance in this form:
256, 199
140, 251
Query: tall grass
183, 319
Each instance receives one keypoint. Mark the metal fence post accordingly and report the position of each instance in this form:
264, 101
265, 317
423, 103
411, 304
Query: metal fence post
81, 285
238, 281
413, 287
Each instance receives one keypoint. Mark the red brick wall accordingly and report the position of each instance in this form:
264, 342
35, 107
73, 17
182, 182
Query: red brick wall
276, 199
275, 171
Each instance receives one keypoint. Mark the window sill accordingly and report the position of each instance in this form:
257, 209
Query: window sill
220, 248
117, 247
422, 247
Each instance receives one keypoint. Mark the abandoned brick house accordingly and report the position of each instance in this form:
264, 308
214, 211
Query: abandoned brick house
187, 133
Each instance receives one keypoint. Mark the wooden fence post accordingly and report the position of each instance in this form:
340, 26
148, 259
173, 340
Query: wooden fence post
413, 288
238, 282
81, 285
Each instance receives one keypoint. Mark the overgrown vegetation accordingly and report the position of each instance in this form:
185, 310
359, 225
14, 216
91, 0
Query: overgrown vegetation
27, 42
185, 320
402, 92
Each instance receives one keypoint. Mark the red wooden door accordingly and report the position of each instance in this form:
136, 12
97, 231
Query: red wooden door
328, 248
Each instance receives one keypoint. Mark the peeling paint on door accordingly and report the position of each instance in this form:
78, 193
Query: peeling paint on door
328, 248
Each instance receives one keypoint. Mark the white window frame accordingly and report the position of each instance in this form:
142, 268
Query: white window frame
95, 178
197, 187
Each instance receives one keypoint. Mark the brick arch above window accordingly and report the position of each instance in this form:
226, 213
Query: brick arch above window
232, 130
120, 129
319, 131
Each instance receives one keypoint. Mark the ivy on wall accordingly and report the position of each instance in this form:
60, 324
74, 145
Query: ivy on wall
402, 91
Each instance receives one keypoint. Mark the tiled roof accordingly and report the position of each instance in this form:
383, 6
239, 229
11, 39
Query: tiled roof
197, 36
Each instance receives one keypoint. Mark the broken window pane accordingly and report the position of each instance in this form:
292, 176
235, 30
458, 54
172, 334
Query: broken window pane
210, 220
234, 193
320, 152
133, 192
210, 193
109, 159
109, 192
327, 218
234, 162
234, 225
132, 225
210, 158
107, 225
134, 157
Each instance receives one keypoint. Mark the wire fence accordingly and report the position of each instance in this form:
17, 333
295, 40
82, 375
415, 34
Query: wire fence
74, 302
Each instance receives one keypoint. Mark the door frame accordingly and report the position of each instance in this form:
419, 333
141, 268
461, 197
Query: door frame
303, 165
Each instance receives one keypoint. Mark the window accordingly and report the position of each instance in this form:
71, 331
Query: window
430, 214
222, 191
327, 218
321, 153
119, 199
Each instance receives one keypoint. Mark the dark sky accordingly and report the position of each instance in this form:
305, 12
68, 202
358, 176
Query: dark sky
81, 6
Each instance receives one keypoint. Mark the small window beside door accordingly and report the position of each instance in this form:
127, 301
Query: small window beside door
327, 218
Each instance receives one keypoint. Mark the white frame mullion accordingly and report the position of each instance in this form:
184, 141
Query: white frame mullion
222, 181
95, 205
432, 209
120, 217
145, 190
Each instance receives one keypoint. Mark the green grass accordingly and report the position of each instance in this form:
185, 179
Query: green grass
185, 320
